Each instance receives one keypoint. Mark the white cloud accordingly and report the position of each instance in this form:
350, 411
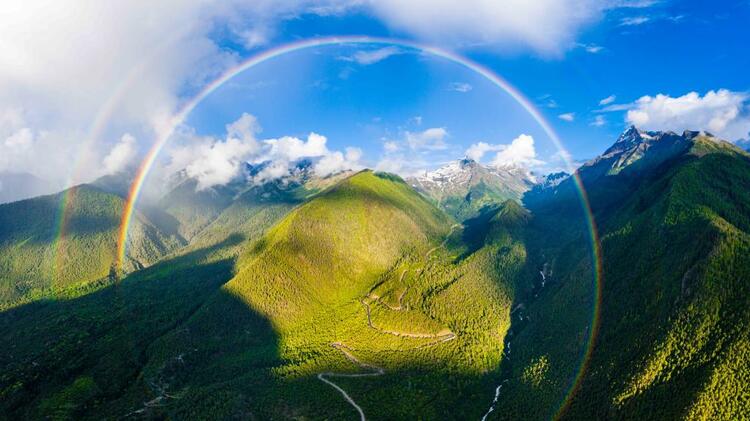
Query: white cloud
219, 162
723, 113
477, 150
366, 58
121, 155
403, 165
461, 87
431, 139
634, 20
548, 101
608, 100
67, 62
215, 162
590, 48
130, 62
336, 162
567, 117
598, 121
290, 148
545, 26
520, 152
391, 146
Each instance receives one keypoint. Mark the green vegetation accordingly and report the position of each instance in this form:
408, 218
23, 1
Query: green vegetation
230, 340
673, 339
35, 262
357, 281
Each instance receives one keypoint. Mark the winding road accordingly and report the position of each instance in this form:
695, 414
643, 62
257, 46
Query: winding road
379, 371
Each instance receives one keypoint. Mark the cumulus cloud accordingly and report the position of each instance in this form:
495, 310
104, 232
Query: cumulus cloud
218, 162
129, 63
608, 100
290, 148
567, 117
71, 62
121, 155
212, 162
477, 150
431, 139
723, 113
461, 87
519, 152
335, 162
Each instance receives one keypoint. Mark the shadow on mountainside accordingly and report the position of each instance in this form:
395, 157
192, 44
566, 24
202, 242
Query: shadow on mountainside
85, 357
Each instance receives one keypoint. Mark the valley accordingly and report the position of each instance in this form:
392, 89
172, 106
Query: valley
358, 296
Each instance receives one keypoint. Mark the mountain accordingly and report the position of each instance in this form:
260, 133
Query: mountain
357, 296
361, 277
196, 209
463, 187
18, 186
41, 255
674, 222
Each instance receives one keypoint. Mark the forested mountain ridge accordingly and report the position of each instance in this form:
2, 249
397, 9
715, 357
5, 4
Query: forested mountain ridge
673, 341
354, 294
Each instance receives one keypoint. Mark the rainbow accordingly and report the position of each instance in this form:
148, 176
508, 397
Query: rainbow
184, 111
94, 133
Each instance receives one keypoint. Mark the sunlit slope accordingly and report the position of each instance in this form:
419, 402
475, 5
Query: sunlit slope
36, 261
335, 246
674, 341
367, 269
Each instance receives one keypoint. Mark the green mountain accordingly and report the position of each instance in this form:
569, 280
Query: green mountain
364, 276
36, 261
357, 296
673, 341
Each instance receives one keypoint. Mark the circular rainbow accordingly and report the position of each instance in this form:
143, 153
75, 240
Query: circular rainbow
184, 111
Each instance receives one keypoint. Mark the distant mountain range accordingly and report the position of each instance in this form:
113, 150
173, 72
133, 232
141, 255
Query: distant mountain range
466, 292
17, 186
463, 187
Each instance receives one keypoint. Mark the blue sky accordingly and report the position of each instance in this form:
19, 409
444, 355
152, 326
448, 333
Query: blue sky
75, 106
670, 48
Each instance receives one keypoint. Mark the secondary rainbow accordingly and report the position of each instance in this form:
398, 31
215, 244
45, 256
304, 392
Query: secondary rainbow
184, 111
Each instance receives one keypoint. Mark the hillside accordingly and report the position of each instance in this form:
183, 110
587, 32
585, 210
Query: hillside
355, 280
36, 261
355, 295
672, 342
363, 277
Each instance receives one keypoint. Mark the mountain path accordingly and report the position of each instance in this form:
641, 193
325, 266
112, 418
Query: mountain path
379, 371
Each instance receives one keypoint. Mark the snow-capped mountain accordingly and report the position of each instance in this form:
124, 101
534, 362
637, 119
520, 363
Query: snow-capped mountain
636, 148
464, 186
552, 179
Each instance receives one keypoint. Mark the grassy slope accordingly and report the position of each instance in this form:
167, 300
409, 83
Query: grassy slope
308, 277
70, 355
34, 263
673, 339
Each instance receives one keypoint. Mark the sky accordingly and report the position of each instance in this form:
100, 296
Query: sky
87, 88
